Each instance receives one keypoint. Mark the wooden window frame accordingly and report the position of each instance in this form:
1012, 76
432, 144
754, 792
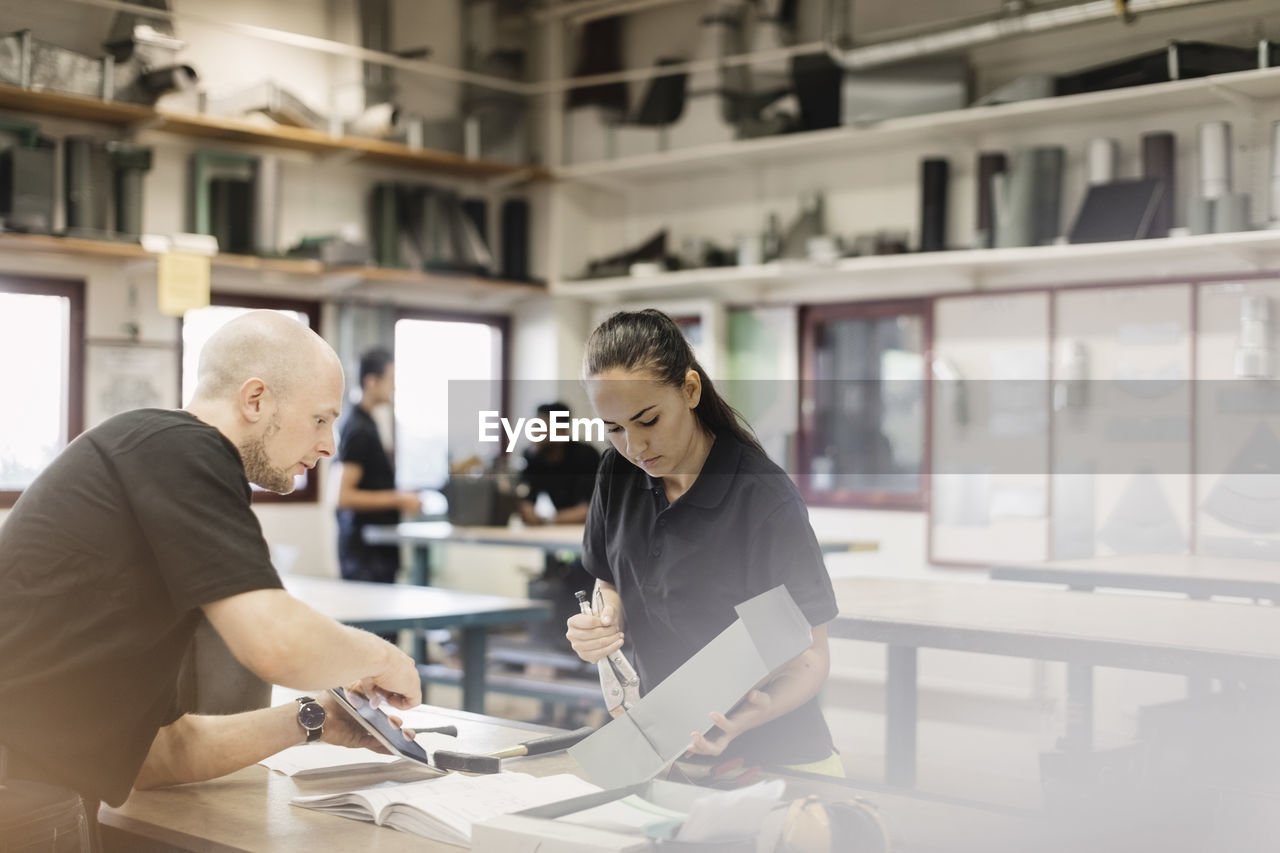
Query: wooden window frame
73, 291
501, 322
810, 318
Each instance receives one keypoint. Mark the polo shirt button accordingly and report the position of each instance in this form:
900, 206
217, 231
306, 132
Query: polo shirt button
657, 551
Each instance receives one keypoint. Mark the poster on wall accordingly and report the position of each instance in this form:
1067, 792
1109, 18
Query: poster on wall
122, 376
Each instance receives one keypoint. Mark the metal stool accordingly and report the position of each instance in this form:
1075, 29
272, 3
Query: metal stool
39, 818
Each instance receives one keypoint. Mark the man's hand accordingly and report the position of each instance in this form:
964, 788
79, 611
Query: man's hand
398, 684
749, 713
594, 637
341, 728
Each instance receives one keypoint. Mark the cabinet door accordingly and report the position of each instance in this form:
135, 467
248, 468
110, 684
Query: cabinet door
1237, 442
990, 429
1121, 437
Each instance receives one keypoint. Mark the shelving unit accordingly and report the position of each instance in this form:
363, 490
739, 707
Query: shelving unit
250, 274
236, 130
920, 274
1236, 88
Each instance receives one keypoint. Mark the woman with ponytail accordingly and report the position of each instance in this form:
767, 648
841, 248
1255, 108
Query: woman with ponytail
689, 519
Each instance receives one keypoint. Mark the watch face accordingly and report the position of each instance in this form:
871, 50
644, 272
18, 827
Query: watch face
311, 715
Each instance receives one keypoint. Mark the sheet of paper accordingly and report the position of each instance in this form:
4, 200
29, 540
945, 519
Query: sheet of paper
731, 814
629, 814
319, 757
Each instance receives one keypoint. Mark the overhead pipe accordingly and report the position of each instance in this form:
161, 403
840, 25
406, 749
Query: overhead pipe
866, 56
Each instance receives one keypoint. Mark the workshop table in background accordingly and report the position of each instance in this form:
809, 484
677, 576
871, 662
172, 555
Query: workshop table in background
1195, 576
1197, 638
553, 540
392, 607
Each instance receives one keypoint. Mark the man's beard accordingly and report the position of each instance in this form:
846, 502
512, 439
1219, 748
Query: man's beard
258, 468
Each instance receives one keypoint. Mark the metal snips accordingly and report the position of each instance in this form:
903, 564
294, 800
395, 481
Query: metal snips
618, 679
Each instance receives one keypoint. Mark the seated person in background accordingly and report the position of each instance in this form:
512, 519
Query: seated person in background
141, 524
565, 471
366, 478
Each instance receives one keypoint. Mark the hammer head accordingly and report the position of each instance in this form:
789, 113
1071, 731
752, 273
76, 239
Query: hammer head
466, 762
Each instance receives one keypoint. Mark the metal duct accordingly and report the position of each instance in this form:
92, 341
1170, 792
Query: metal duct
984, 32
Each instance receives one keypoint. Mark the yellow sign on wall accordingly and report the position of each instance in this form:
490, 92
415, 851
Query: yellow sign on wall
183, 281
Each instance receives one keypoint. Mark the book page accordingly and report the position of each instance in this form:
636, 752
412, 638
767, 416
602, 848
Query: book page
446, 808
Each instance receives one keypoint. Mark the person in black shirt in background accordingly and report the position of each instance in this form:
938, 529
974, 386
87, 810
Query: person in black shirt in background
139, 526
564, 471
690, 518
366, 477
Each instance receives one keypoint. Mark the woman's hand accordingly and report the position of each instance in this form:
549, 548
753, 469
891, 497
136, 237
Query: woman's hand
594, 637
749, 713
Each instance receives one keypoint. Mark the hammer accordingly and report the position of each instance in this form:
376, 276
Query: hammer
492, 762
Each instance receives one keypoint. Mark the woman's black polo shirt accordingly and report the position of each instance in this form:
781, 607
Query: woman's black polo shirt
681, 568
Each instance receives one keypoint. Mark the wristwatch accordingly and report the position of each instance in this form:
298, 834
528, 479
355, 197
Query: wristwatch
311, 716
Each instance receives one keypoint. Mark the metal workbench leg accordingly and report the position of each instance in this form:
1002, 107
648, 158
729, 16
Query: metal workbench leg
900, 717
420, 575
1079, 736
1199, 686
475, 643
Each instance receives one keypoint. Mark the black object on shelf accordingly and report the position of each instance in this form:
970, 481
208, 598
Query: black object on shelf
1181, 60
664, 99
600, 49
990, 164
422, 227
477, 211
87, 185
26, 178
935, 175
515, 239
1159, 152
224, 187
653, 250
1119, 210
817, 80
102, 185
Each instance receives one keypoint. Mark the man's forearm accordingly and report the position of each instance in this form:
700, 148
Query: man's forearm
370, 500
286, 642
195, 748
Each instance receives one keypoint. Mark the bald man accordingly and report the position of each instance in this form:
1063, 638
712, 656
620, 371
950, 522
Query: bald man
140, 525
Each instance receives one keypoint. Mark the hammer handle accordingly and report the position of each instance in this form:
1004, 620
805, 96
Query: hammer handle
550, 743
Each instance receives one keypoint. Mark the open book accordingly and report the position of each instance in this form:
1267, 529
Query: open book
444, 809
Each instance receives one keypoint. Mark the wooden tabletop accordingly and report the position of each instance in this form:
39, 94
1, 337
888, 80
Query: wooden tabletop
389, 607
249, 810
1127, 631
1189, 574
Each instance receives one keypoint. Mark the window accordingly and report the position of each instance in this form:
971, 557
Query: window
863, 404
198, 326
41, 376
431, 349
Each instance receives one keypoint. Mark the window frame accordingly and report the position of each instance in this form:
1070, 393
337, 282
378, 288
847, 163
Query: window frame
810, 318
310, 491
501, 322
73, 291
